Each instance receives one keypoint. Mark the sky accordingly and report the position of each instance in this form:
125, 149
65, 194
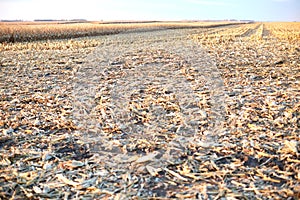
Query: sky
258, 10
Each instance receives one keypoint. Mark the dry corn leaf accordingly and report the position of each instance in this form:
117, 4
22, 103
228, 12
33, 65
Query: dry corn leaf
5, 162
152, 170
290, 147
254, 127
175, 174
37, 190
63, 179
149, 157
28, 131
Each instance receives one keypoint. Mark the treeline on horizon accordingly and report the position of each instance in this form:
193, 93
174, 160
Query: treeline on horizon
118, 21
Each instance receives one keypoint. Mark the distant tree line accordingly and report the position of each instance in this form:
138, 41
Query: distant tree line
60, 20
13, 20
45, 20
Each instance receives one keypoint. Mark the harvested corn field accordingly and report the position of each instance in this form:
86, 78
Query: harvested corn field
202, 113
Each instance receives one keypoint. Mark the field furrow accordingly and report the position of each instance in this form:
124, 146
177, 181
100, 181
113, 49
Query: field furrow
251, 31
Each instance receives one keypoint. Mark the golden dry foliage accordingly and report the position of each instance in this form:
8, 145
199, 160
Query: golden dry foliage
31, 31
285, 31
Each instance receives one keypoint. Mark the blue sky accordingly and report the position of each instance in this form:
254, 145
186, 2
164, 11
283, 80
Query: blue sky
259, 10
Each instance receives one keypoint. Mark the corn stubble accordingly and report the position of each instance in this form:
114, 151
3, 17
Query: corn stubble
229, 130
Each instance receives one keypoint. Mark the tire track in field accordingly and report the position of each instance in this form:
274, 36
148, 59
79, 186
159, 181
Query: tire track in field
139, 85
251, 31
